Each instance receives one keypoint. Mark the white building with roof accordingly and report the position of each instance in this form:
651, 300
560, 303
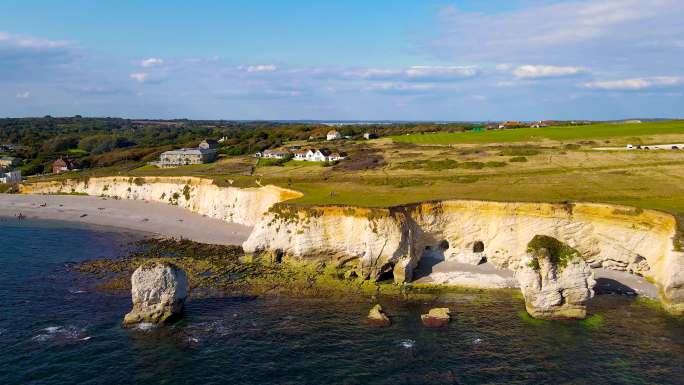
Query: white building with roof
333, 135
10, 177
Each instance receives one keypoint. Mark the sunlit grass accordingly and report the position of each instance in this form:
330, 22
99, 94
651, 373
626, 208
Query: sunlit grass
558, 133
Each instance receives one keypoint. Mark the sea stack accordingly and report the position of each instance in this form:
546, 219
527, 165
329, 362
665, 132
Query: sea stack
377, 317
436, 318
158, 290
555, 281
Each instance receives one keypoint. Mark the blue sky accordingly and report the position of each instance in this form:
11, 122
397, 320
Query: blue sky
380, 59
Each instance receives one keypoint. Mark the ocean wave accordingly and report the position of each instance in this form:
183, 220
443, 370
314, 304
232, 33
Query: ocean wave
145, 326
407, 344
62, 334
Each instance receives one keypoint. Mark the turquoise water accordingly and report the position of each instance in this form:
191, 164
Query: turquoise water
55, 330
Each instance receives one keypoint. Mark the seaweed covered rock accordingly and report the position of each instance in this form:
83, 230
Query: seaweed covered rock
158, 291
555, 280
377, 317
436, 318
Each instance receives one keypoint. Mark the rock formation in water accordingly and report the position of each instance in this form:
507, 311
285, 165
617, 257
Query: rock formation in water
158, 291
377, 317
555, 280
436, 318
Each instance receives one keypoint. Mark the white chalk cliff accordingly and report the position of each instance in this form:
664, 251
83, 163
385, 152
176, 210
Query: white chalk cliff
238, 205
378, 242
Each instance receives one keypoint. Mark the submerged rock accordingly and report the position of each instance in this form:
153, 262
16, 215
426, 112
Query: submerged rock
158, 291
437, 317
377, 317
555, 281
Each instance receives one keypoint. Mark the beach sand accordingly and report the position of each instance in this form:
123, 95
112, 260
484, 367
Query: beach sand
149, 217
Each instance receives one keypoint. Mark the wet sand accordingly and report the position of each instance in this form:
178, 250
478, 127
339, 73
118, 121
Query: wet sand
150, 217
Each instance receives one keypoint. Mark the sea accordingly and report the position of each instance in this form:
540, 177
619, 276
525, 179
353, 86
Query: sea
55, 328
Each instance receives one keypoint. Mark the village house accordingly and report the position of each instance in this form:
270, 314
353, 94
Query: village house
209, 144
8, 162
273, 154
369, 136
10, 176
333, 135
63, 165
205, 153
319, 155
511, 124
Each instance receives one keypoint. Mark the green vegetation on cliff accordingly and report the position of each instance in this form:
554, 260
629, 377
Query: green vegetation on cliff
559, 253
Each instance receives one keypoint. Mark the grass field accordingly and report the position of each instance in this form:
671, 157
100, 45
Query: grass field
557, 133
408, 173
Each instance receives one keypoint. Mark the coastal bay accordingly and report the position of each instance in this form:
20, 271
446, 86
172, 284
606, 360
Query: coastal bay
143, 216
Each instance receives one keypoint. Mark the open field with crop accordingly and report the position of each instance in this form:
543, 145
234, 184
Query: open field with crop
622, 131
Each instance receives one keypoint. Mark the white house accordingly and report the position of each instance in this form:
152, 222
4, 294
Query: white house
206, 152
273, 154
10, 177
318, 155
333, 135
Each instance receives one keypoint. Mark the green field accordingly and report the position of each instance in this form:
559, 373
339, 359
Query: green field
557, 133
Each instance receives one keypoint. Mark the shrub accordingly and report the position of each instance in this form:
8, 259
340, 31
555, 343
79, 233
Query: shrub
495, 164
520, 151
473, 165
518, 159
559, 252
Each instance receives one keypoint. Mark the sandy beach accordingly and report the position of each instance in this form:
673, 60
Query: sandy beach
150, 217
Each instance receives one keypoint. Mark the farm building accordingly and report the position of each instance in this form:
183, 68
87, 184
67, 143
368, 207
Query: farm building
511, 124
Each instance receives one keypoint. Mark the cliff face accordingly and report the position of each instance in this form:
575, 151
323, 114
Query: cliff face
243, 206
382, 243
383, 240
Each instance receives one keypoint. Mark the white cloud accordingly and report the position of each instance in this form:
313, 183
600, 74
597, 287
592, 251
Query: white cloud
140, 77
414, 73
376, 73
24, 95
151, 62
262, 68
578, 31
431, 73
635, 84
398, 87
545, 71
504, 67
22, 41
